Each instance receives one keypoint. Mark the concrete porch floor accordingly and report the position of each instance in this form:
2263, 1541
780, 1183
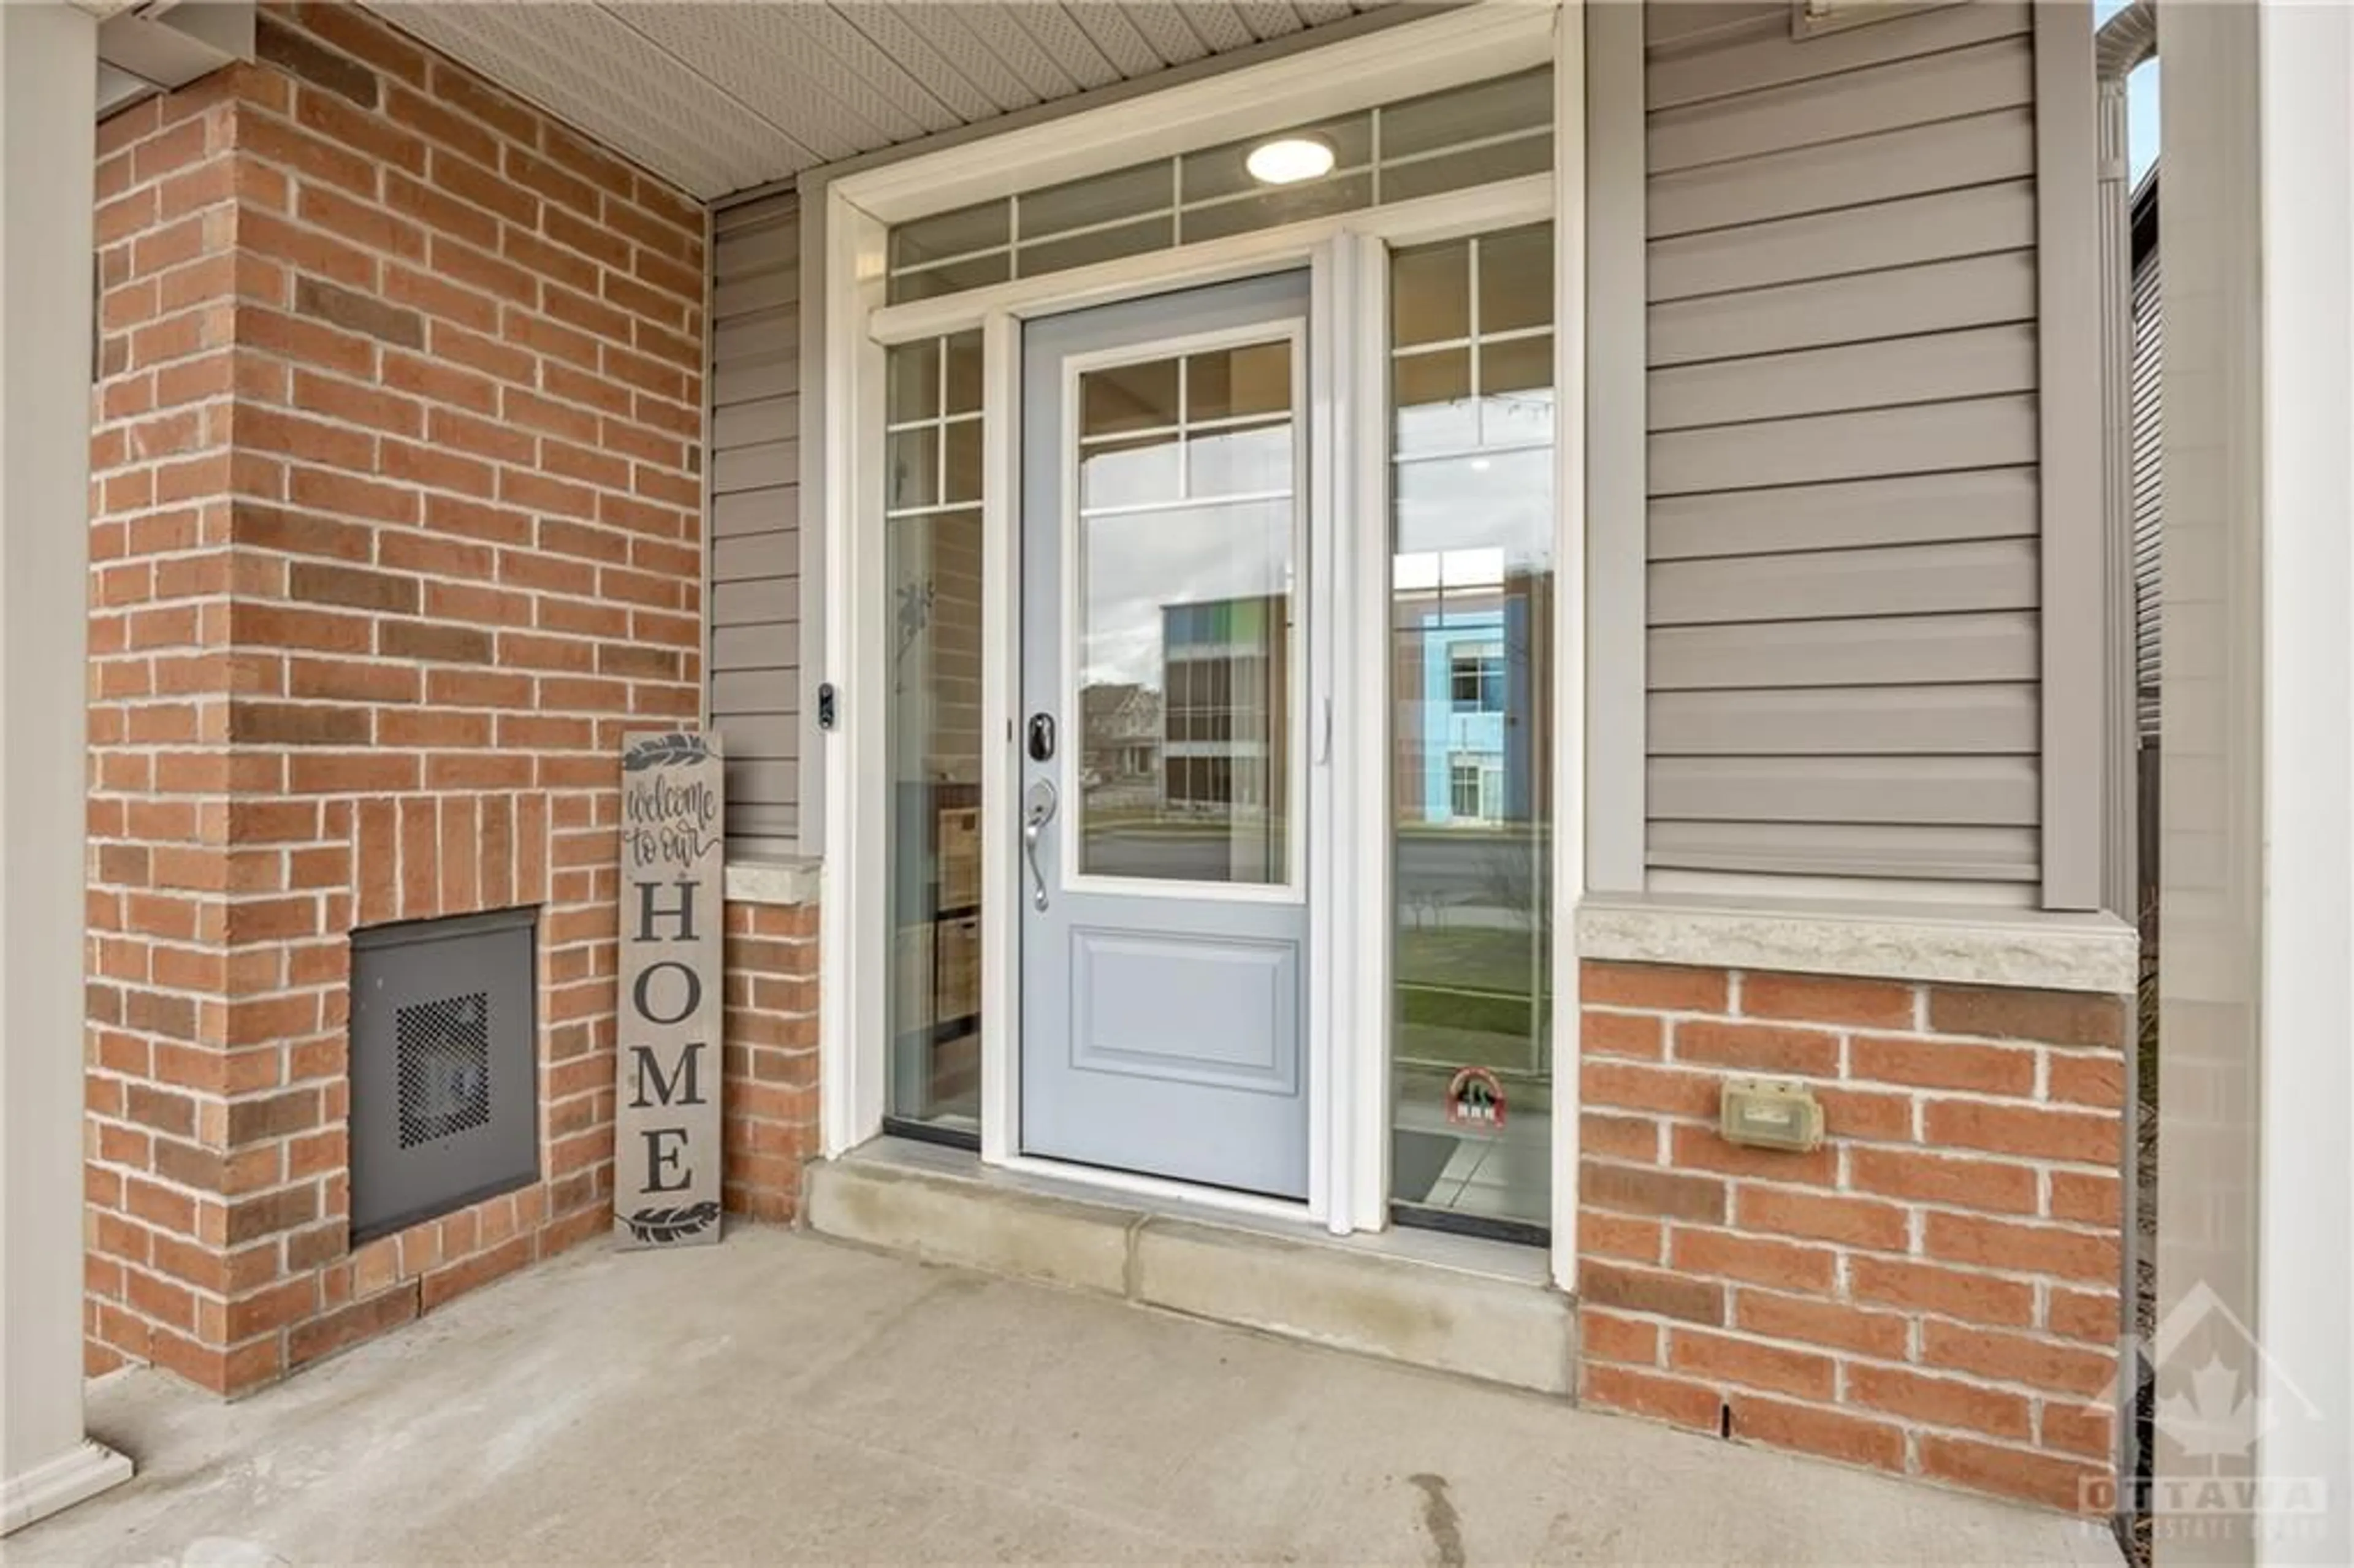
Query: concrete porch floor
785, 1397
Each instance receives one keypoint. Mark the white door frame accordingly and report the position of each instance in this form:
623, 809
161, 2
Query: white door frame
1348, 955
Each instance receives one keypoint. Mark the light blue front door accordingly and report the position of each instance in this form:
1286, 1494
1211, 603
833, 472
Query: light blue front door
1164, 916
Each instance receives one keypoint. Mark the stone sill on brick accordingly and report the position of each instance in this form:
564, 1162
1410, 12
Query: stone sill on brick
1921, 943
774, 881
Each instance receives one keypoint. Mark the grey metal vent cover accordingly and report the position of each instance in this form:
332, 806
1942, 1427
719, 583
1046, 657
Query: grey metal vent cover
444, 1054
444, 1103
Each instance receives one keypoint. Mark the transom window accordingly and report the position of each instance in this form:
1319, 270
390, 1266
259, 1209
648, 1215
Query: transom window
1464, 136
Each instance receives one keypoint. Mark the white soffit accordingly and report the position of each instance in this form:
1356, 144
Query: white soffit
722, 95
154, 46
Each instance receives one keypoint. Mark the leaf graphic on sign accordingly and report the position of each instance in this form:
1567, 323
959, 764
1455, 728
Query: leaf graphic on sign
662, 1226
654, 752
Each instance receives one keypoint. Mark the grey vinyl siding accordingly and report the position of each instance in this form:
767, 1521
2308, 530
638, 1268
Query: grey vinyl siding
2147, 428
1842, 549
755, 608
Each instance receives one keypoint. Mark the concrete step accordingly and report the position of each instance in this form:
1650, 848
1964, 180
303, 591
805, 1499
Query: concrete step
1482, 1309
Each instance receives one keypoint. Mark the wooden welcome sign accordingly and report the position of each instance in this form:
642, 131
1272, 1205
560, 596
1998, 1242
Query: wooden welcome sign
666, 1120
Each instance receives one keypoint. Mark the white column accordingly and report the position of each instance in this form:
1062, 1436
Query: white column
2255, 1340
2305, 1249
48, 78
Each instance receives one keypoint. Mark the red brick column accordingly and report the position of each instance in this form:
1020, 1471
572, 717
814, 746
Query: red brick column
396, 518
769, 1098
1933, 1291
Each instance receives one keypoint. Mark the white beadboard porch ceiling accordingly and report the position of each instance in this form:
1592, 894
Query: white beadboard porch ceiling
721, 97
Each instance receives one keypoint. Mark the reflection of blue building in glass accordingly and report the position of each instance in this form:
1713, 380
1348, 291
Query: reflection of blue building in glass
1463, 694
1475, 705
1222, 677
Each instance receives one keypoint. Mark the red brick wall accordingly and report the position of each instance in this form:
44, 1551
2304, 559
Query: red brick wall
1933, 1291
770, 1054
396, 497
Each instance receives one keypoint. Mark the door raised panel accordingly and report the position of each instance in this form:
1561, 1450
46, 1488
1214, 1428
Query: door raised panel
1215, 1011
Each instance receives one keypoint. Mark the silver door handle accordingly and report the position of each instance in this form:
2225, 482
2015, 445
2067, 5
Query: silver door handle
1040, 812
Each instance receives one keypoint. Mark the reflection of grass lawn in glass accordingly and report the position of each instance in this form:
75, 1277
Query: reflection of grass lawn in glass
1469, 957
1464, 1000
1510, 1056
1114, 820
1514, 833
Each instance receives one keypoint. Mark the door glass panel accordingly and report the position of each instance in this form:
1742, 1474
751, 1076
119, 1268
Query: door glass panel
1123, 398
1235, 382
1470, 680
933, 558
1184, 616
1136, 471
1241, 459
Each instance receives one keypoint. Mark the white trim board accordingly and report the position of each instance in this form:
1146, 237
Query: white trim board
1616, 643
854, 940
2075, 749
1000, 704
2303, 866
75, 1476
1572, 747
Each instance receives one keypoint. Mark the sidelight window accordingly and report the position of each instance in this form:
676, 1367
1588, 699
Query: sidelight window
1471, 669
931, 524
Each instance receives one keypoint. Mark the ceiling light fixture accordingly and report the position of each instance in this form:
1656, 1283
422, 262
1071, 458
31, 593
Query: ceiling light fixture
1289, 160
